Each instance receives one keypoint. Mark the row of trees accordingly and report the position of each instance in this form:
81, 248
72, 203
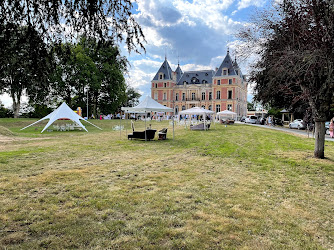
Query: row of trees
47, 60
296, 66
88, 71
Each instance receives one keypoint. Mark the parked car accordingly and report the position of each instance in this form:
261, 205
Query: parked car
298, 124
251, 119
327, 127
243, 119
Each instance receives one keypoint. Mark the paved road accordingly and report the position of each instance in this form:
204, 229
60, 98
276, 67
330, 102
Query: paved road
292, 131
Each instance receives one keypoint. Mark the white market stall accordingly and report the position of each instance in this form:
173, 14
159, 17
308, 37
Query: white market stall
227, 114
197, 111
62, 112
146, 106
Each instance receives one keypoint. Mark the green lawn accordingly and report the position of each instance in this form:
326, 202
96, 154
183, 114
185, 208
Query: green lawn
230, 187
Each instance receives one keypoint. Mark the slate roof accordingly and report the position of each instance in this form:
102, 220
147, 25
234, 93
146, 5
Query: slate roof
166, 70
198, 76
227, 63
178, 72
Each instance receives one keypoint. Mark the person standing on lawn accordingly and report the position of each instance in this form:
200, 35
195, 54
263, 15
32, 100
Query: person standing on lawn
331, 128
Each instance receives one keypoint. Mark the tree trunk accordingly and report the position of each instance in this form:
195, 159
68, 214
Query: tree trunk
319, 147
16, 105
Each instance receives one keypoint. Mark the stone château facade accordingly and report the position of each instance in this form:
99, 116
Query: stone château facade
217, 90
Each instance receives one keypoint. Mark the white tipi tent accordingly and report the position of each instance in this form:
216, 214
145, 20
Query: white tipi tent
63, 111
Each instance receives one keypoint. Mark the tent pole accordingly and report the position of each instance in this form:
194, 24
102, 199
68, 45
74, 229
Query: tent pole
145, 127
125, 123
173, 126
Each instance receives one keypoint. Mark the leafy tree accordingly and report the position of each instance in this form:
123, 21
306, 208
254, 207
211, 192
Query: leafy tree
251, 106
297, 59
4, 112
57, 20
132, 97
90, 68
24, 64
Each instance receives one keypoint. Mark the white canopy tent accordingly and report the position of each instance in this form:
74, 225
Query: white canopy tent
63, 111
197, 111
146, 106
227, 114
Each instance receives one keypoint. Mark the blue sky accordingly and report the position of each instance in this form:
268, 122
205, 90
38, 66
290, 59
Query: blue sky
197, 33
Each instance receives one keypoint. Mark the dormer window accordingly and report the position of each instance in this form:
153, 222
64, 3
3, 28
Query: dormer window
224, 72
184, 82
204, 81
160, 76
194, 80
187, 75
206, 74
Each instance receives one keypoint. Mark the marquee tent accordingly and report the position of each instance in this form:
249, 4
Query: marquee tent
197, 111
63, 111
148, 105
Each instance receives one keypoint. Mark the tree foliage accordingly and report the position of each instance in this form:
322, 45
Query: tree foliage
24, 64
297, 59
59, 20
93, 69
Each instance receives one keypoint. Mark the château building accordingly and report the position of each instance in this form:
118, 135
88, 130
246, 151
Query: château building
217, 90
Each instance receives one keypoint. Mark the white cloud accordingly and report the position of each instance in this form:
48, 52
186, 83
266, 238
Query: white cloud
242, 4
209, 12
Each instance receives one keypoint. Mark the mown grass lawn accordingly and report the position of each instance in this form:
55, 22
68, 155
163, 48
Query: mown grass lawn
229, 187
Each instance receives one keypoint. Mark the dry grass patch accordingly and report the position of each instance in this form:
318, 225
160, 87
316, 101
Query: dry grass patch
234, 187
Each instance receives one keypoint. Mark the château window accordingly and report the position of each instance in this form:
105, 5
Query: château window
229, 107
229, 95
203, 96
156, 85
184, 82
156, 96
160, 76
217, 108
165, 96
229, 81
218, 82
210, 107
224, 72
176, 96
183, 96
218, 95
183, 107
193, 96
165, 85
210, 95
176, 109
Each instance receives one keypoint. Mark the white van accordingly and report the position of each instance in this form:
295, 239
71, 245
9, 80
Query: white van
251, 119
